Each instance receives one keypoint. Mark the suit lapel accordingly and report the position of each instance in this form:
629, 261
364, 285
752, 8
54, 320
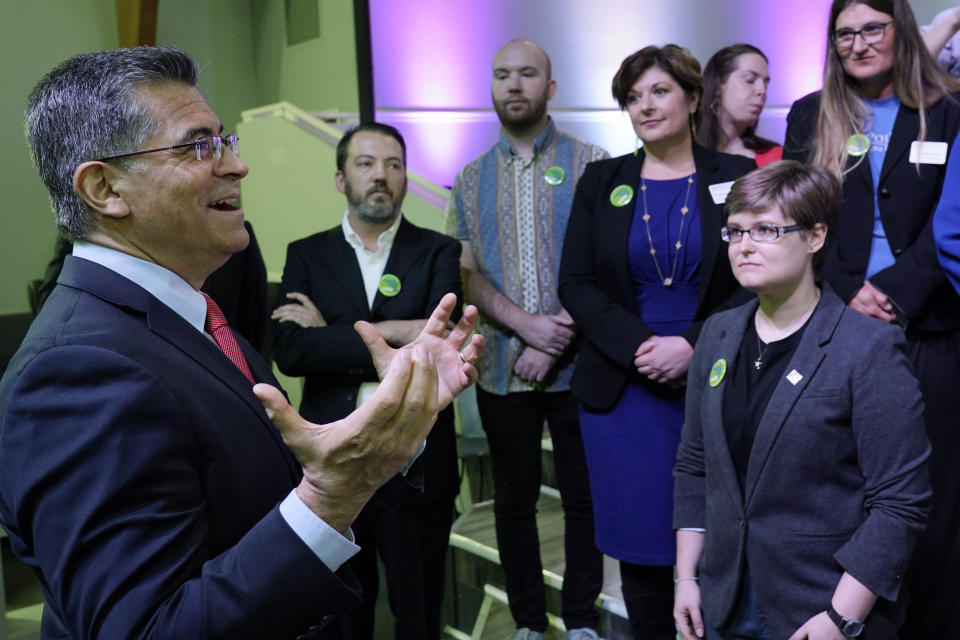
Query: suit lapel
806, 360
714, 434
616, 221
168, 325
165, 323
404, 253
341, 261
905, 129
710, 216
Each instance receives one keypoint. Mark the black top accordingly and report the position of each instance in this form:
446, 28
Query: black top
745, 398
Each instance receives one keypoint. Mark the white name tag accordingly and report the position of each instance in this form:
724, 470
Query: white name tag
719, 191
927, 152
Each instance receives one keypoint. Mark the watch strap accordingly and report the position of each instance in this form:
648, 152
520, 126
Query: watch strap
849, 628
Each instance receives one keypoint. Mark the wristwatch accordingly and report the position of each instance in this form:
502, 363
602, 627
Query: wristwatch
849, 628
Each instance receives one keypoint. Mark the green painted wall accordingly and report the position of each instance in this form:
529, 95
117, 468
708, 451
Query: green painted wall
317, 75
34, 37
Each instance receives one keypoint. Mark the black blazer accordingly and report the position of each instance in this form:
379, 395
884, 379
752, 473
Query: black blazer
595, 285
908, 196
333, 359
837, 476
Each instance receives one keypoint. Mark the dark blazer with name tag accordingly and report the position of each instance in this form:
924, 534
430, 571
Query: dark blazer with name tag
594, 282
908, 194
836, 480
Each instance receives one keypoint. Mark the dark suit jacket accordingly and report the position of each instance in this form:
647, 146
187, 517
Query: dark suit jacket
140, 476
595, 283
836, 480
908, 195
240, 289
334, 360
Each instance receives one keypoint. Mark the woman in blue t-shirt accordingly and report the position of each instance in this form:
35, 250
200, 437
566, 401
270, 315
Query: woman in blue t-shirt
883, 123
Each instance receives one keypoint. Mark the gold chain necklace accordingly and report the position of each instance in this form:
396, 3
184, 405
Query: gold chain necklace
668, 281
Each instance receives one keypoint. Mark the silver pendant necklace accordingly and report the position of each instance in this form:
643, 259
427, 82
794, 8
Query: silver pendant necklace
788, 332
759, 361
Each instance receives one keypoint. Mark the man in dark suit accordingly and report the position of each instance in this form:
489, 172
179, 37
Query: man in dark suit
375, 266
139, 473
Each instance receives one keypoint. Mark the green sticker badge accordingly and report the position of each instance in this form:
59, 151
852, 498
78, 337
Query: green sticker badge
717, 372
858, 144
621, 195
554, 175
389, 285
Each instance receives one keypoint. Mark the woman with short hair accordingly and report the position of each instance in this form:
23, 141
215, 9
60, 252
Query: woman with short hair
801, 476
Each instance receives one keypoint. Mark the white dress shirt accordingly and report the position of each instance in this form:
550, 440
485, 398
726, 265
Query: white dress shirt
372, 263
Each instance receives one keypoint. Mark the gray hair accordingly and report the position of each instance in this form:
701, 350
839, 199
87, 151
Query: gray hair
88, 108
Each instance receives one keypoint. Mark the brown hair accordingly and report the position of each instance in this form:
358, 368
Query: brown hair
675, 60
709, 132
808, 195
917, 81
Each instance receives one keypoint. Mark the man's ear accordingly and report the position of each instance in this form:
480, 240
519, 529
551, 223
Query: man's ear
338, 178
551, 89
94, 183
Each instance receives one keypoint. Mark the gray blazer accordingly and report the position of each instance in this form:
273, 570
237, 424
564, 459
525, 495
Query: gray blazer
836, 480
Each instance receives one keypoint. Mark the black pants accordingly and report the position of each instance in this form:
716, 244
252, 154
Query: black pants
648, 597
412, 540
934, 577
514, 427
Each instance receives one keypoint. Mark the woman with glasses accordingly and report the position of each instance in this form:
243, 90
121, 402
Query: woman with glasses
641, 268
883, 123
801, 477
735, 89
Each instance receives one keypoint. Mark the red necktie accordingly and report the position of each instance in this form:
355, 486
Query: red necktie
216, 325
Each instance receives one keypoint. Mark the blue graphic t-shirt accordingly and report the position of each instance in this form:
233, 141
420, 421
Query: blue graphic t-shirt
878, 130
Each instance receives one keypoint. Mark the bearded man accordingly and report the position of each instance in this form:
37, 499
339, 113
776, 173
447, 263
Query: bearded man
375, 266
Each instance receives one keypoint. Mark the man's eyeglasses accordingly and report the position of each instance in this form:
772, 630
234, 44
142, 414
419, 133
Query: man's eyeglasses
871, 33
760, 233
205, 148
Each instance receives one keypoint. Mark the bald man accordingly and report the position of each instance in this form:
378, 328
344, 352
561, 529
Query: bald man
509, 208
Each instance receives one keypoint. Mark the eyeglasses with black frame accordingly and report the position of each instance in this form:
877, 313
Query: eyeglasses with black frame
759, 233
205, 148
872, 33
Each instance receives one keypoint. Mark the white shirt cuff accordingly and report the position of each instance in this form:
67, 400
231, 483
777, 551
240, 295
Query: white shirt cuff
326, 542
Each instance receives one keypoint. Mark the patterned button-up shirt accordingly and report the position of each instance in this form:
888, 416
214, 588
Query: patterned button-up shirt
514, 218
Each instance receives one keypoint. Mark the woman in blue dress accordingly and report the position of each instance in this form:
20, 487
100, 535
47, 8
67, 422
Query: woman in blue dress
642, 267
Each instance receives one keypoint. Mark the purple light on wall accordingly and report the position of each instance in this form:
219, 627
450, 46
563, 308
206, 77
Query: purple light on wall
440, 143
432, 54
432, 60
793, 37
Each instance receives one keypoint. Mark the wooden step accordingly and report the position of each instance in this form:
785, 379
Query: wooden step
474, 534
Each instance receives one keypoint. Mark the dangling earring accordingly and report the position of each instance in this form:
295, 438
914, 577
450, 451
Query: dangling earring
637, 150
